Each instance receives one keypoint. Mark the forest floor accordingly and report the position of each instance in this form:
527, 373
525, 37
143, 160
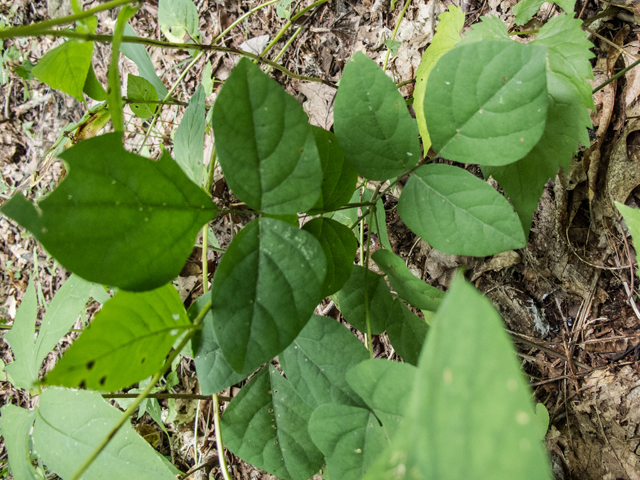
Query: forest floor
568, 298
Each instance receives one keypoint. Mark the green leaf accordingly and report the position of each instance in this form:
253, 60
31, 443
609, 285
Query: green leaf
457, 213
393, 46
23, 371
139, 55
348, 216
66, 67
338, 176
542, 416
632, 219
127, 341
77, 421
264, 143
351, 439
446, 37
93, 88
470, 413
188, 146
353, 304
318, 359
489, 28
117, 218
139, 88
283, 9
15, 425
178, 17
264, 291
486, 102
339, 246
526, 9
207, 79
214, 372
372, 122
266, 426
379, 222
569, 53
406, 284
406, 333
567, 121
385, 386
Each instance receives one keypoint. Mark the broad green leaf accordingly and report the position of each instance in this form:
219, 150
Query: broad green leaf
66, 67
406, 284
632, 219
23, 371
15, 426
470, 414
139, 55
489, 28
318, 359
77, 421
526, 9
127, 341
266, 426
567, 121
351, 439
264, 291
178, 17
569, 53
117, 218
338, 176
542, 416
446, 37
385, 386
214, 372
264, 143
486, 102
406, 332
354, 299
339, 246
93, 88
457, 213
188, 146
372, 122
139, 88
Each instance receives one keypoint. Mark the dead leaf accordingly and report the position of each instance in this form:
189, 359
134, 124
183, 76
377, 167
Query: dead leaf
319, 104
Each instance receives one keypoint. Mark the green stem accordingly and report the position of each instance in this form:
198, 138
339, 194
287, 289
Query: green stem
395, 31
241, 19
616, 76
155, 102
286, 45
160, 396
183, 46
37, 28
525, 32
136, 403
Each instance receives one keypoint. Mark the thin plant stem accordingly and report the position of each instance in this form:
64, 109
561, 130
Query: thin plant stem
161, 396
616, 76
184, 46
241, 19
141, 396
395, 31
37, 28
216, 425
286, 45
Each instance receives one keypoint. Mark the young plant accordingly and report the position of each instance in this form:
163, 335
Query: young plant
458, 407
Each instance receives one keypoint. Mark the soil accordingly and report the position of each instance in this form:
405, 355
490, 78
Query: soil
568, 298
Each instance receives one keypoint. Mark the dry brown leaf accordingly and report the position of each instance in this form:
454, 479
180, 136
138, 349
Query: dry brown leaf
319, 104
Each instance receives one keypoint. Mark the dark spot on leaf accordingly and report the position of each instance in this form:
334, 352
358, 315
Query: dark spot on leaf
82, 384
143, 360
90, 364
504, 79
103, 379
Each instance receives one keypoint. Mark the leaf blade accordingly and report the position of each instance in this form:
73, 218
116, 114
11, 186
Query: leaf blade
189, 140
66, 67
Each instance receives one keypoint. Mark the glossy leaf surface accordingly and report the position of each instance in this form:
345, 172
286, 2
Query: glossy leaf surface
406, 284
66, 67
127, 341
457, 213
486, 102
188, 146
214, 372
264, 143
339, 246
117, 218
338, 176
445, 38
318, 359
264, 291
372, 122
470, 413
266, 425
77, 421
354, 299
